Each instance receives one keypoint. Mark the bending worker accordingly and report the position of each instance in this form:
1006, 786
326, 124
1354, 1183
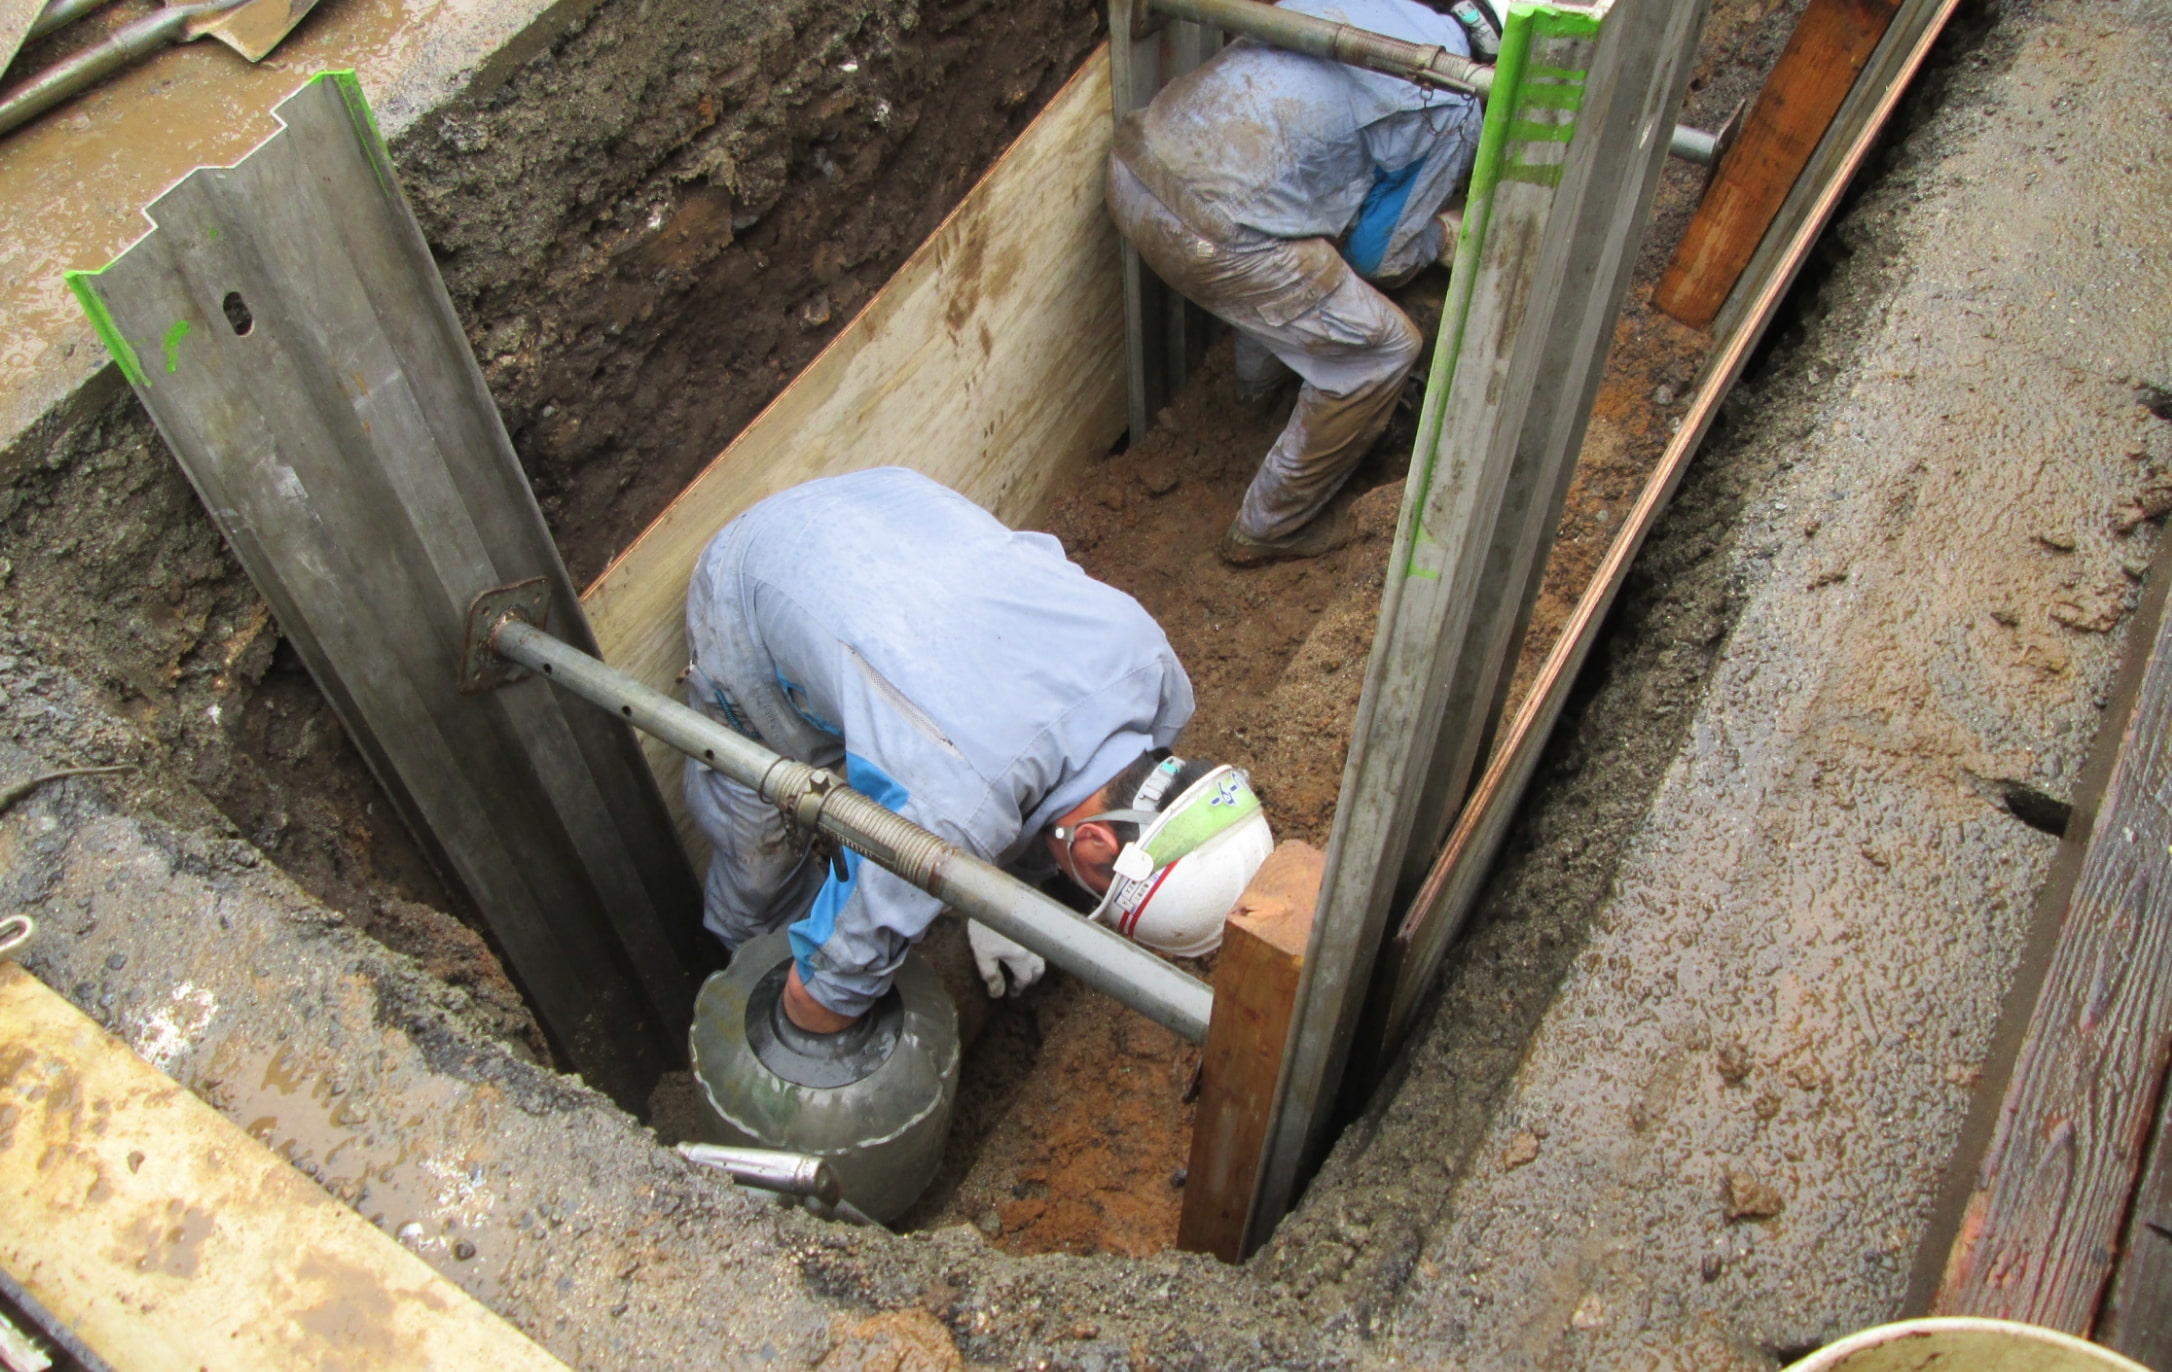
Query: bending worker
977, 683
1269, 187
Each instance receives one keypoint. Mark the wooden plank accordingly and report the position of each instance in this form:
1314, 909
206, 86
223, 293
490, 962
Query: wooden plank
2137, 1317
1255, 991
992, 361
163, 1237
2041, 937
2051, 1201
1452, 888
286, 328
1892, 56
1513, 289
1831, 43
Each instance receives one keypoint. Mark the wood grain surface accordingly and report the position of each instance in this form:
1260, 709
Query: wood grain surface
1832, 41
2042, 1230
167, 1240
993, 361
1255, 989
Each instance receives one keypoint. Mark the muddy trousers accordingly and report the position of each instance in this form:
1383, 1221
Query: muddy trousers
1294, 303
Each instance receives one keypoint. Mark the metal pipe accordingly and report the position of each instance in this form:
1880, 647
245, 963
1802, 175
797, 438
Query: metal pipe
85, 69
1423, 63
789, 1174
819, 799
802, 1176
1694, 145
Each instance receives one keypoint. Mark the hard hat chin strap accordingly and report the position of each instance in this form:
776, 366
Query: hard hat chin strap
1128, 859
1133, 862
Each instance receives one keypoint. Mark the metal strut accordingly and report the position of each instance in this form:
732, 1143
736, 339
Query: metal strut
818, 798
1423, 63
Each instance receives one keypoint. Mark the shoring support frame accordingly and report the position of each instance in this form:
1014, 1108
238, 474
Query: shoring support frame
1568, 163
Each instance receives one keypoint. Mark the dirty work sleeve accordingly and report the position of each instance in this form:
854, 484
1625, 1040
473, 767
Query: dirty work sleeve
1420, 157
857, 933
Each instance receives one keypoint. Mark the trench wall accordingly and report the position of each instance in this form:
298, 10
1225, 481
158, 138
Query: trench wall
649, 218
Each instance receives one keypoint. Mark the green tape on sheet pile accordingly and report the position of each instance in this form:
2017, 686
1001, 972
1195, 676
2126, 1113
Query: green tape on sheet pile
83, 284
174, 335
365, 123
1520, 87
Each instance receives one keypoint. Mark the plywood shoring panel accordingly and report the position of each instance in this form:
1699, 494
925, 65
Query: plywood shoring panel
993, 361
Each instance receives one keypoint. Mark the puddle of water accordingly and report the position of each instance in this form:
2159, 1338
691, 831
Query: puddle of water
378, 1149
73, 183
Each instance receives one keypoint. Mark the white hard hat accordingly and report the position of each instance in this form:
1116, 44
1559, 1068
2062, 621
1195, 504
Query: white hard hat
1175, 884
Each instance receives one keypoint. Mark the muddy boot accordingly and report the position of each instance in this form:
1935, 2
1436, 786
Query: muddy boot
1330, 530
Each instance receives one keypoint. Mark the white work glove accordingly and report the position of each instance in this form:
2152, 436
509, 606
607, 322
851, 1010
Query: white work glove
1451, 228
995, 954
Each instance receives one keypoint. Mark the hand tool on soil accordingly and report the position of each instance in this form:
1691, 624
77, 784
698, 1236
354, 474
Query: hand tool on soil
14, 795
250, 27
57, 14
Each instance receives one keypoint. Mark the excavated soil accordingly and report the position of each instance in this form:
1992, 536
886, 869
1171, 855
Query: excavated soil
683, 247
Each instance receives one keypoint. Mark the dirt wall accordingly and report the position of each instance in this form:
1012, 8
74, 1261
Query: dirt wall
648, 225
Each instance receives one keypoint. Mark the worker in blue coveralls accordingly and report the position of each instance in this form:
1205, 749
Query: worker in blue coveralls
976, 682
1270, 187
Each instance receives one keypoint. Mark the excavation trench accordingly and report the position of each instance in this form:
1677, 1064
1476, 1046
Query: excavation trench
634, 300
1546, 1178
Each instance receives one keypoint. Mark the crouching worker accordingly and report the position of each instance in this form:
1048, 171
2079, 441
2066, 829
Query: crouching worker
974, 681
1269, 187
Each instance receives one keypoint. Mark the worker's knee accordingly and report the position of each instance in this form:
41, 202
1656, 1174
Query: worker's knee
1403, 342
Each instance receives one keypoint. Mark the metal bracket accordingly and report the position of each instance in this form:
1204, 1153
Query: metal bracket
804, 821
481, 669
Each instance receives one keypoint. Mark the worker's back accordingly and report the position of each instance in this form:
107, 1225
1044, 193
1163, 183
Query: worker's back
987, 676
1287, 144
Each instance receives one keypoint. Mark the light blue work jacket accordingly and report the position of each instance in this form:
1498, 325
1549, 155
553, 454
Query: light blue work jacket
1293, 146
968, 676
